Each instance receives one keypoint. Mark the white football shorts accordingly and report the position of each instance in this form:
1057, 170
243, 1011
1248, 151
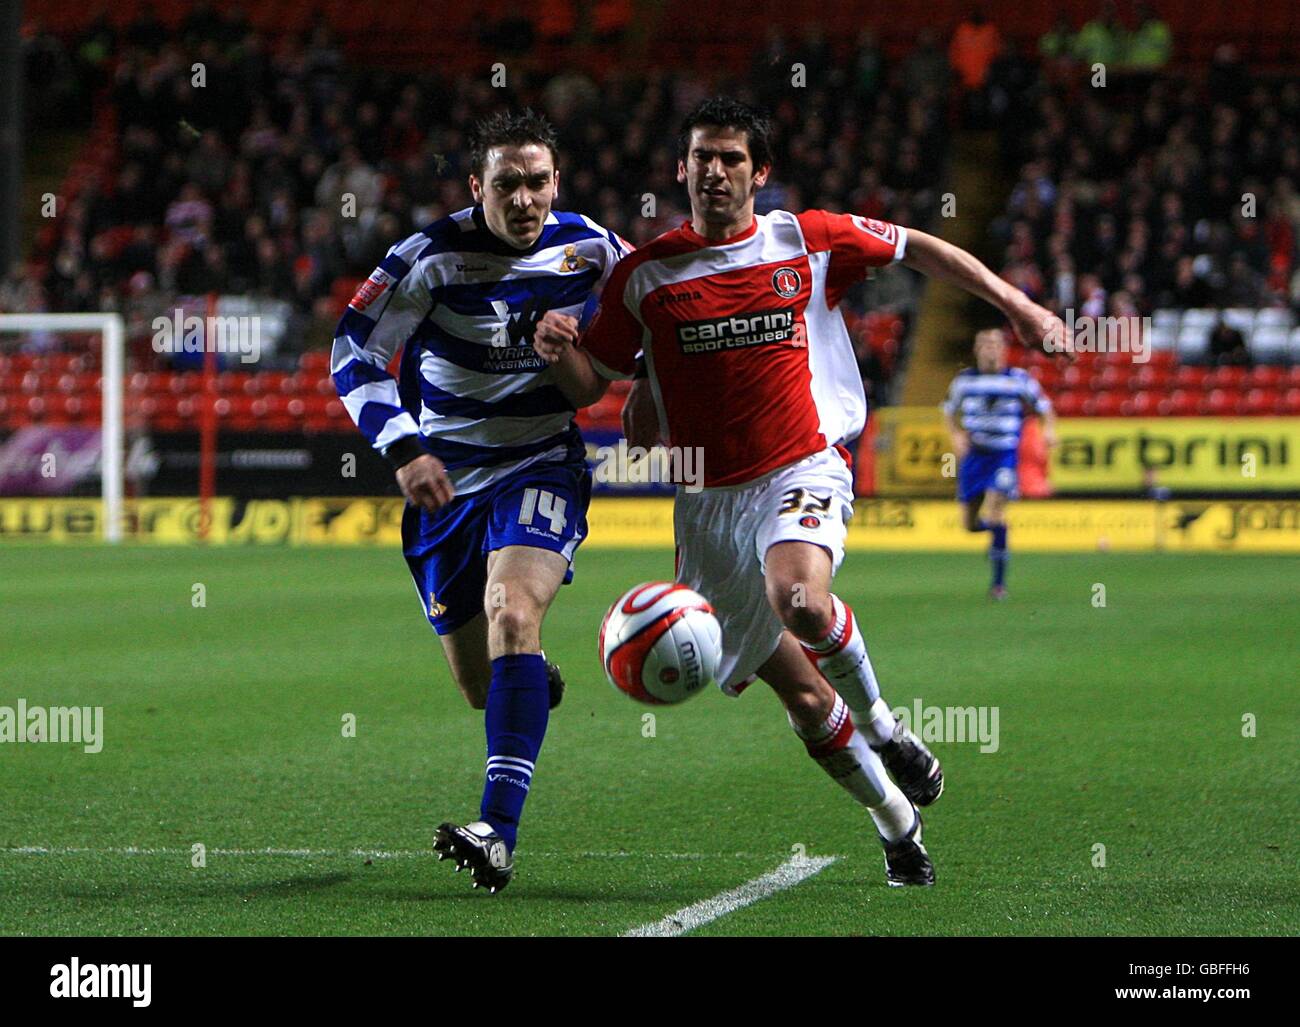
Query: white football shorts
723, 535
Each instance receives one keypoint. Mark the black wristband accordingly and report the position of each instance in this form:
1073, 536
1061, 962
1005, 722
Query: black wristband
404, 450
641, 371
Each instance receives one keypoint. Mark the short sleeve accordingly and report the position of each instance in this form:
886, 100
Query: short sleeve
614, 336
855, 244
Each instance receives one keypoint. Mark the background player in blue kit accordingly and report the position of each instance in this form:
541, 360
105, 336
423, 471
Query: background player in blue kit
484, 444
985, 413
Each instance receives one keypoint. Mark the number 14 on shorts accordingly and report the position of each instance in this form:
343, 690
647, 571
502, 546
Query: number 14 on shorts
547, 504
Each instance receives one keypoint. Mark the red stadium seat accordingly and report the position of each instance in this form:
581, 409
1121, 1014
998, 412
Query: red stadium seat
185, 383
1189, 377
1105, 404
1219, 403
1227, 378
1265, 376
1046, 375
1289, 403
1261, 402
86, 409
1183, 403
1074, 376
317, 360
1110, 376
1143, 404
1151, 377
1070, 403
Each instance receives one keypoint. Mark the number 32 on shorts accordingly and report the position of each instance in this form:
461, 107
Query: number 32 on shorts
793, 502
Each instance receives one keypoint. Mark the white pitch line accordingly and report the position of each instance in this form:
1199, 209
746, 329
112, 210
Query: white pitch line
787, 875
133, 850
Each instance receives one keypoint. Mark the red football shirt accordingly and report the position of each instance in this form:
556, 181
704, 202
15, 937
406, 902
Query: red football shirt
748, 355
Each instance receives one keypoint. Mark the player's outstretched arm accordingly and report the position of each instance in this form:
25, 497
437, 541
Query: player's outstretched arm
556, 341
1036, 326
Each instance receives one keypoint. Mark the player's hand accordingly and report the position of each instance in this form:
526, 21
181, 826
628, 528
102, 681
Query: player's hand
553, 333
1049, 438
1040, 329
425, 483
640, 418
960, 445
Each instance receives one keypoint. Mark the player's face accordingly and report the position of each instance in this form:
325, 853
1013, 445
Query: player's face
990, 352
720, 177
519, 185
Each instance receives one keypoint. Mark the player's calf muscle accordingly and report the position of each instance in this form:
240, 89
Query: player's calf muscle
466, 652
804, 693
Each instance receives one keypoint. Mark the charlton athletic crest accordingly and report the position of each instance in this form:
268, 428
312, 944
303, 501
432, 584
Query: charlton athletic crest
786, 282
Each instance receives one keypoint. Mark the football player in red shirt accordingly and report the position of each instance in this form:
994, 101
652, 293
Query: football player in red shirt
748, 360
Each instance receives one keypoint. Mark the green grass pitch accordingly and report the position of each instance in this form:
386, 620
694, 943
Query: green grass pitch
1119, 726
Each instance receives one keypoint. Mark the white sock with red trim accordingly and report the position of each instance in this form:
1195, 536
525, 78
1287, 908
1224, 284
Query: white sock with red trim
841, 658
841, 751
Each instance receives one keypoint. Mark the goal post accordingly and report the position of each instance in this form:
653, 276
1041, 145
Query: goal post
112, 331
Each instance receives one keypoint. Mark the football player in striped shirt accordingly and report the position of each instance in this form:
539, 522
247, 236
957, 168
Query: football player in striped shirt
748, 358
481, 434
985, 414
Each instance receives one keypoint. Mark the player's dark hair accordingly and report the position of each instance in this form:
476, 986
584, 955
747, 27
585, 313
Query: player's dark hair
724, 112
510, 128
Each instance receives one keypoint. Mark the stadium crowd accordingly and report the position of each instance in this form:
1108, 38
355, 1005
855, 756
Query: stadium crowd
1151, 192
289, 172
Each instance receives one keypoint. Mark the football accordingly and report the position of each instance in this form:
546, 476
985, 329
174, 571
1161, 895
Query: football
660, 643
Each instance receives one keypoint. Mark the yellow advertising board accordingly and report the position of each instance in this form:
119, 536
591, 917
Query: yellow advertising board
1107, 454
913, 453
1228, 454
1228, 526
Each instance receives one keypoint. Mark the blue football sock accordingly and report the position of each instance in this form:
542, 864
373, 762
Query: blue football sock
518, 705
998, 554
982, 525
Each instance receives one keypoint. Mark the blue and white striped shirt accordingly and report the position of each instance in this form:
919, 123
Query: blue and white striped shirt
462, 305
992, 408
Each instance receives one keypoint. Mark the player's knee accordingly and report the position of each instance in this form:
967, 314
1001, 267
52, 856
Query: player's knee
804, 611
514, 624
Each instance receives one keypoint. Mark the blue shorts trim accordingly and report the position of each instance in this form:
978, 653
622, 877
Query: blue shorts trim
988, 470
543, 506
